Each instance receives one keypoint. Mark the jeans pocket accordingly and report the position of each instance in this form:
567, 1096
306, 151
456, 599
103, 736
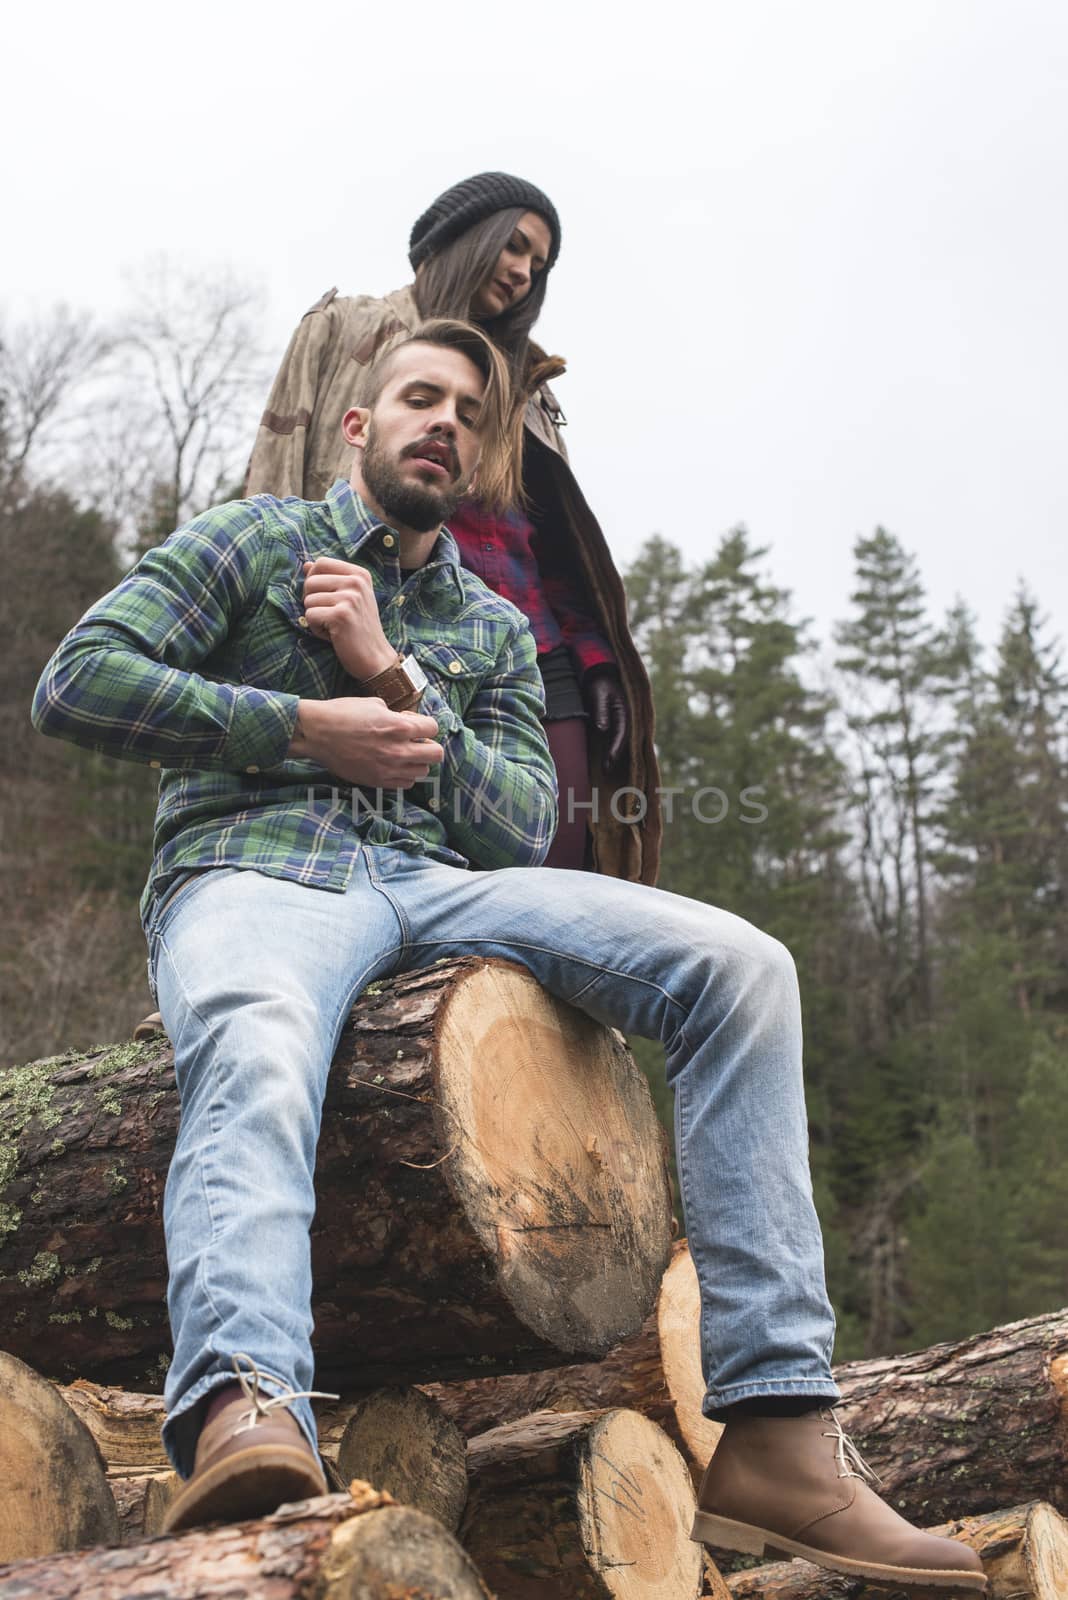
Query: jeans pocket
177, 894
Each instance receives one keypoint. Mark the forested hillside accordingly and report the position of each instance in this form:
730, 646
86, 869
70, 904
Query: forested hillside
890, 801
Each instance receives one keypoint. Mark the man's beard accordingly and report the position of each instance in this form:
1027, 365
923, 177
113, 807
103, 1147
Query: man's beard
418, 506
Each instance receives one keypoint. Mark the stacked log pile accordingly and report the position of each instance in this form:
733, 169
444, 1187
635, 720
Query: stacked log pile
657, 1372
491, 1180
493, 1195
493, 1201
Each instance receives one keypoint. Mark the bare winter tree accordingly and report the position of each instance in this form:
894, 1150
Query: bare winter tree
186, 383
45, 365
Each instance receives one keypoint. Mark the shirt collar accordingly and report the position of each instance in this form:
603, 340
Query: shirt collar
355, 523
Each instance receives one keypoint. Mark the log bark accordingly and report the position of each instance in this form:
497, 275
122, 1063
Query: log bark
969, 1426
714, 1586
1024, 1552
582, 1507
402, 1442
656, 1372
142, 1502
491, 1179
54, 1494
337, 1548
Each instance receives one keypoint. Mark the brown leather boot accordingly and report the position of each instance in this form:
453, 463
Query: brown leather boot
149, 1027
793, 1486
250, 1458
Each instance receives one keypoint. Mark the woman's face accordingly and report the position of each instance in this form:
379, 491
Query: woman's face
522, 258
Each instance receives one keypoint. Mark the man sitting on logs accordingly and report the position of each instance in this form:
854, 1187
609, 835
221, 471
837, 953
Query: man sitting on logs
272, 651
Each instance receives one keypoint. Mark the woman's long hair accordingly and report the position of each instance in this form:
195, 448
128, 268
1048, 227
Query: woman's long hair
446, 285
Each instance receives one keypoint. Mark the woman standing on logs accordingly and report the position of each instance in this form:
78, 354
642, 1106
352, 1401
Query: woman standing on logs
483, 251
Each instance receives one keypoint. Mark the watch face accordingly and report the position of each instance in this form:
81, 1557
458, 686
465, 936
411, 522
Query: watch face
414, 674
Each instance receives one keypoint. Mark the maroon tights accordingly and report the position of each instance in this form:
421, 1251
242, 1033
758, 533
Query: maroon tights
567, 746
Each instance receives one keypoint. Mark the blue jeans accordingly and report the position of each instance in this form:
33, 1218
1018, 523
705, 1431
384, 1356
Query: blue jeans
255, 977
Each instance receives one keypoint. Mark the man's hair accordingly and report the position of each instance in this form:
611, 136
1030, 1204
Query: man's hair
499, 421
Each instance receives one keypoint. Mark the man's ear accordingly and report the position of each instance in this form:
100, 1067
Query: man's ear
354, 425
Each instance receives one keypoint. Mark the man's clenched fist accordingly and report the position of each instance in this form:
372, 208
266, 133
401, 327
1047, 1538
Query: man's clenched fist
340, 605
363, 742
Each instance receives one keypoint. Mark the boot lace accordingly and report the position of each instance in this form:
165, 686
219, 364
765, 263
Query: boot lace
262, 1405
851, 1464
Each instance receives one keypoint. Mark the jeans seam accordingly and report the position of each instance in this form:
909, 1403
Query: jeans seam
376, 883
201, 1274
683, 1168
551, 950
367, 976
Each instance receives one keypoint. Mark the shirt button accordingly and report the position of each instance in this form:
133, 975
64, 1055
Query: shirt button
252, 769
400, 599
303, 621
434, 803
456, 666
487, 547
388, 540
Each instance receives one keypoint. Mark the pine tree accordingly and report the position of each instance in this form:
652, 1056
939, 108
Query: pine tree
987, 1229
895, 666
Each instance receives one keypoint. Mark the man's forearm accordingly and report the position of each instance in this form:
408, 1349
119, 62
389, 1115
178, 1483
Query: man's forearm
98, 692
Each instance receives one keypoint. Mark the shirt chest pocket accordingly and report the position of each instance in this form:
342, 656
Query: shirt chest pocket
456, 672
282, 653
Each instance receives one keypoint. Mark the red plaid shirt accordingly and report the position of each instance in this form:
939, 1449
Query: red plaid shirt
510, 556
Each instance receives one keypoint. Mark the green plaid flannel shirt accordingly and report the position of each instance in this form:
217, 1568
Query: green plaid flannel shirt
195, 664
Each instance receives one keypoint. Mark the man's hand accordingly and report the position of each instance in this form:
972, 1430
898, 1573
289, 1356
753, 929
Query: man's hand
363, 742
607, 705
340, 605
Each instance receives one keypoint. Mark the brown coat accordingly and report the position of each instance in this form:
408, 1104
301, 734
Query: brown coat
299, 450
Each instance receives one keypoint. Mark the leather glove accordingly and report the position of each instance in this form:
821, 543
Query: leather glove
606, 703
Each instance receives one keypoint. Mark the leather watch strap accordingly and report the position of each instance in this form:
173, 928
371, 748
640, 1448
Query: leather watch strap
393, 686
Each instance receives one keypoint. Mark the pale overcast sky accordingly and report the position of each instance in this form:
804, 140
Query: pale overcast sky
814, 255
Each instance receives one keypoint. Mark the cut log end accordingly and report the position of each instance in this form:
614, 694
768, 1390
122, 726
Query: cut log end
557, 1156
678, 1317
55, 1491
601, 1496
402, 1442
399, 1552
1047, 1553
636, 1509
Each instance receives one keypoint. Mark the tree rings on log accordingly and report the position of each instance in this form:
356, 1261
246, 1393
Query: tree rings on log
561, 1164
55, 1494
402, 1442
678, 1329
594, 1506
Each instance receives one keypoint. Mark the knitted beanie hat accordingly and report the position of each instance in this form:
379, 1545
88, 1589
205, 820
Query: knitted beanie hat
473, 200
